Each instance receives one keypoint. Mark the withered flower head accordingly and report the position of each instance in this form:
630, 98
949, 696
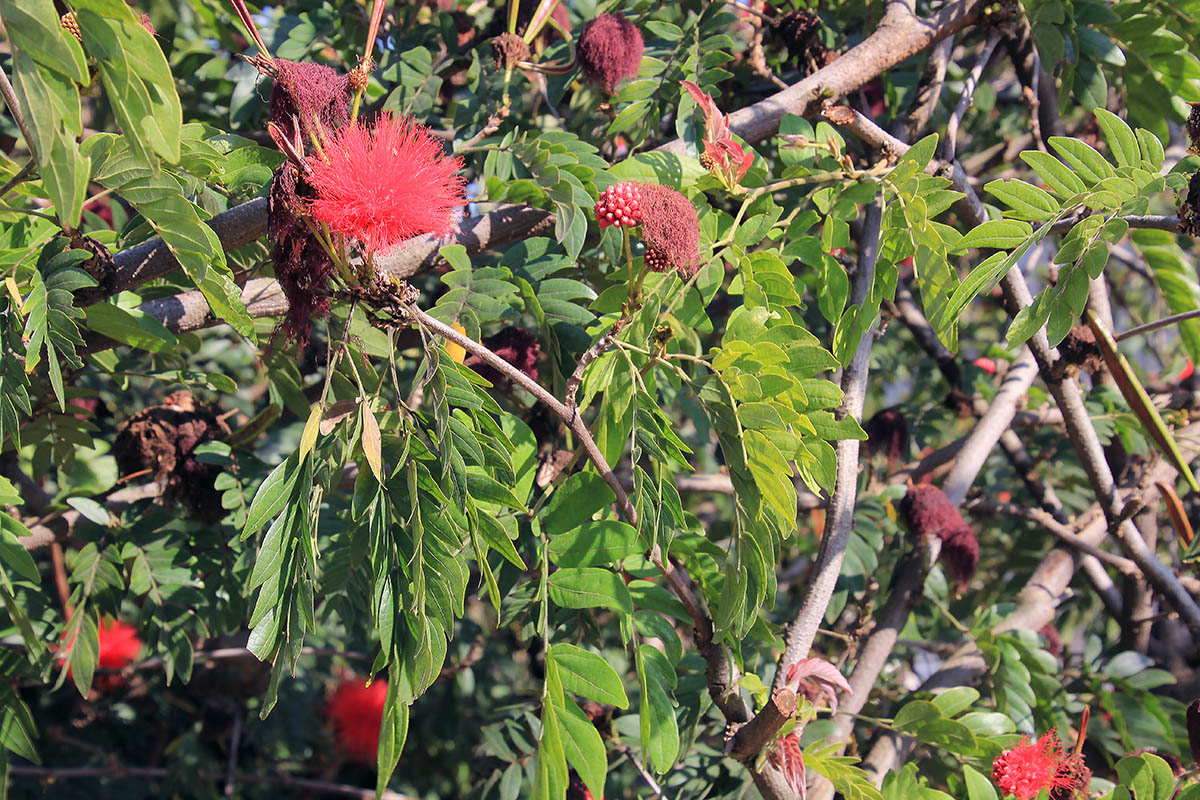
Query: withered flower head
670, 227
928, 512
887, 434
610, 50
518, 347
162, 440
314, 94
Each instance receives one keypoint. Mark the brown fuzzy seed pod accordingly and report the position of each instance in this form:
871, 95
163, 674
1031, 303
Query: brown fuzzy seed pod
707, 162
508, 49
610, 51
71, 25
163, 439
306, 90
928, 512
518, 347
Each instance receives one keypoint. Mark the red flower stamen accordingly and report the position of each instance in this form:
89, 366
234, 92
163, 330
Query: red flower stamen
385, 183
1026, 769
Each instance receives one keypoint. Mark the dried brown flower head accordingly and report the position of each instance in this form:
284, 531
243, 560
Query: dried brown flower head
163, 439
670, 227
928, 512
610, 50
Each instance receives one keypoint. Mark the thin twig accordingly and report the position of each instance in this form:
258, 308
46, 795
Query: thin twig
964, 101
20, 177
14, 108
1157, 324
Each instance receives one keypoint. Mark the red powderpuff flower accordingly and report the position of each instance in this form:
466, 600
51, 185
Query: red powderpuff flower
119, 645
384, 183
610, 50
620, 205
1025, 770
356, 712
670, 228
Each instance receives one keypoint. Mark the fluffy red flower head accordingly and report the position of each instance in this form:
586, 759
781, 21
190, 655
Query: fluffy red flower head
610, 50
119, 645
620, 205
356, 712
384, 183
670, 227
1024, 770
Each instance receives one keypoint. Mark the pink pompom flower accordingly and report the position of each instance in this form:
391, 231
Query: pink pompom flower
384, 183
1025, 770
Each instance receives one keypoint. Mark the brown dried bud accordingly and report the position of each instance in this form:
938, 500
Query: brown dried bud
707, 162
359, 77
71, 25
928, 512
508, 49
656, 260
1054, 645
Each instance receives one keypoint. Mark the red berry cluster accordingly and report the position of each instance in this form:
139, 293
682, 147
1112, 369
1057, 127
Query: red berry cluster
620, 205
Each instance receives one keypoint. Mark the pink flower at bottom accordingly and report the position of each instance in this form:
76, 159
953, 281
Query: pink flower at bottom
384, 183
1024, 770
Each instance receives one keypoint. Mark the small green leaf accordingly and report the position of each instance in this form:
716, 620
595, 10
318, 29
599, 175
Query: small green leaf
594, 544
586, 674
1002, 234
978, 787
573, 503
1122, 142
272, 495
1083, 158
1061, 180
589, 587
